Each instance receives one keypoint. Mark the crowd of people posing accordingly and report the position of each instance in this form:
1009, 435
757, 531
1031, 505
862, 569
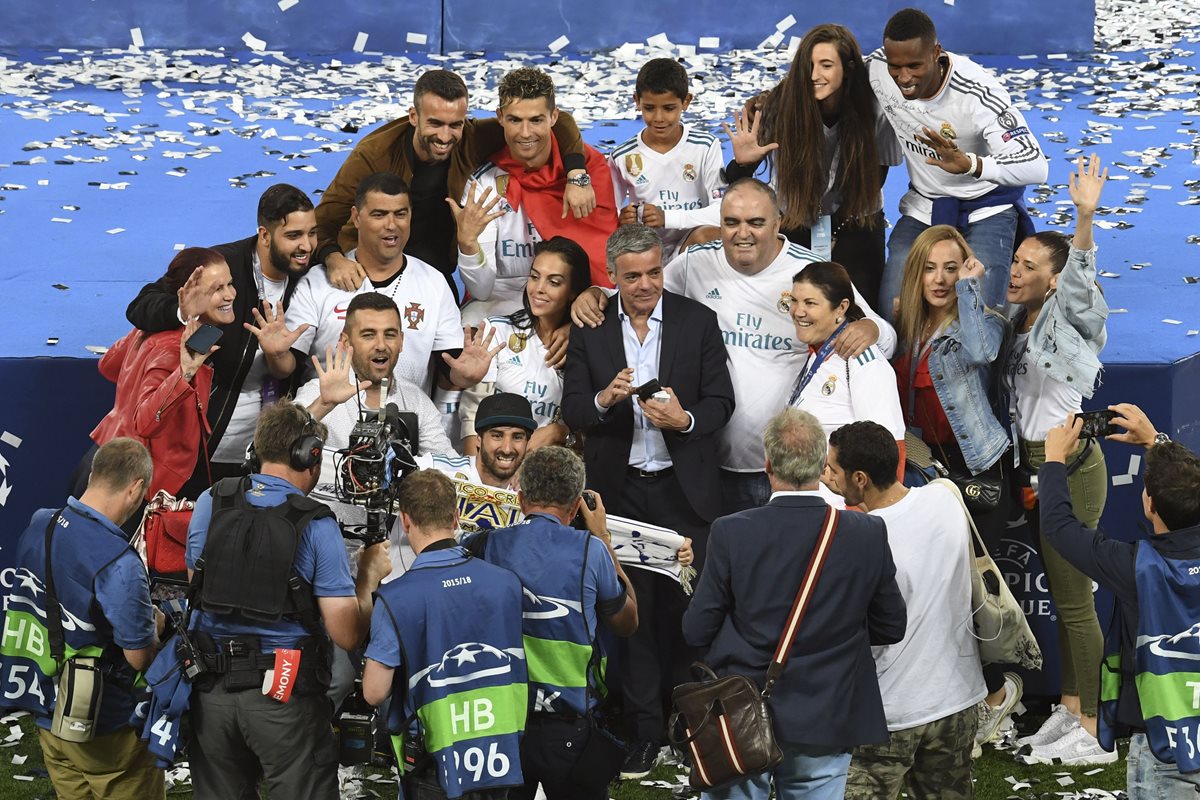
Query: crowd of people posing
656, 310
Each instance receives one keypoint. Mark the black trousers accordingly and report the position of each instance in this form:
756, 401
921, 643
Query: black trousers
570, 757
655, 658
861, 249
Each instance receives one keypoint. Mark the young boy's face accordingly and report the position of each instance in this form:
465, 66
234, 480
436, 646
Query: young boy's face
661, 112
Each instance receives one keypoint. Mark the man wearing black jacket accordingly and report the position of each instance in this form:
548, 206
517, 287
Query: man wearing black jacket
1156, 582
254, 365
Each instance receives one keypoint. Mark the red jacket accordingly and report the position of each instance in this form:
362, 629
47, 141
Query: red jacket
156, 406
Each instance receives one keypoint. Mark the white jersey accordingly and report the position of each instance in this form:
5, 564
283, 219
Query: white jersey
496, 275
861, 389
520, 368
976, 112
681, 181
934, 670
764, 353
428, 316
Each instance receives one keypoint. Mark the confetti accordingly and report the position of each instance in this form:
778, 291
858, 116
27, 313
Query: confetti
1122, 480
558, 44
284, 5
253, 42
360, 42
421, 38
135, 36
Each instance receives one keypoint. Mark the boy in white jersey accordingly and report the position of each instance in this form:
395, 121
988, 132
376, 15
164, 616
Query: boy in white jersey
968, 150
669, 174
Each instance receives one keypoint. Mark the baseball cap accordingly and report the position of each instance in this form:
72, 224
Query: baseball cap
504, 408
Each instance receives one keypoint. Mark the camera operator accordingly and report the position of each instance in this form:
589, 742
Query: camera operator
269, 578
446, 644
79, 556
571, 580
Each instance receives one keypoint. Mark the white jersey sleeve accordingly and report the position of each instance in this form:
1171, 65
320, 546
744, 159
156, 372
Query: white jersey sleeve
873, 392
712, 180
304, 309
1014, 157
887, 334
675, 274
449, 333
478, 270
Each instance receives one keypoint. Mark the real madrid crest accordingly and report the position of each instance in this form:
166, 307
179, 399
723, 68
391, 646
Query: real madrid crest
785, 302
829, 386
516, 341
689, 172
948, 131
633, 164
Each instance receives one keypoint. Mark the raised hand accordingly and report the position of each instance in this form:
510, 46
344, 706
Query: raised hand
272, 332
1085, 185
971, 268
334, 379
193, 300
744, 138
472, 364
473, 217
618, 389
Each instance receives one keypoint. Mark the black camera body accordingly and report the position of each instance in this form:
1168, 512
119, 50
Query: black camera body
372, 466
357, 728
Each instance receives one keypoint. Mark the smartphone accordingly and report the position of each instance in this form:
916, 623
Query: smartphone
1097, 424
648, 389
204, 338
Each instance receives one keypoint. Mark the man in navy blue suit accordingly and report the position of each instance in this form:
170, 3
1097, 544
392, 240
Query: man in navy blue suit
827, 701
652, 458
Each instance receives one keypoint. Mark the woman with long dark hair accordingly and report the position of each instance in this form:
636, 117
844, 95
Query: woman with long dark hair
828, 149
558, 274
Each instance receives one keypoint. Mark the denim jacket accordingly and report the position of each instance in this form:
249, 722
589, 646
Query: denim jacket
1069, 333
960, 364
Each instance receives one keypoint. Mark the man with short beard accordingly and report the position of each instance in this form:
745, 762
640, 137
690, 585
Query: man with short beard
504, 423
254, 366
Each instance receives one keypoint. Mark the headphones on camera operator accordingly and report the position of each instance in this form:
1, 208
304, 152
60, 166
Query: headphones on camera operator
303, 454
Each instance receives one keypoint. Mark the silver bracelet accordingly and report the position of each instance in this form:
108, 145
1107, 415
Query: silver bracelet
974, 159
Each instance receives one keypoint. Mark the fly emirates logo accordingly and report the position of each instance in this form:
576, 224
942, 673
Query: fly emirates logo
754, 332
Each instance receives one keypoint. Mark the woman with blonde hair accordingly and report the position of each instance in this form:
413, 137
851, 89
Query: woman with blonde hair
949, 391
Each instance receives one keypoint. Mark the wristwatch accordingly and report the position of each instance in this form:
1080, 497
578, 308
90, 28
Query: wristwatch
580, 180
1160, 438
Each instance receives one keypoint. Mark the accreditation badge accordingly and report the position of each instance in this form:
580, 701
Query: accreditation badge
829, 386
633, 164
516, 341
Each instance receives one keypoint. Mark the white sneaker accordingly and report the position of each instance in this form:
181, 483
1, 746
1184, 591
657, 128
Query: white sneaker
1054, 728
1076, 748
992, 719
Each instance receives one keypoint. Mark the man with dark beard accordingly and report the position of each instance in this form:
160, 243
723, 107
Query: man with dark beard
254, 366
504, 423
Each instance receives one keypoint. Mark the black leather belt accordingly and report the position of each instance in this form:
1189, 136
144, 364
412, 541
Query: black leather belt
651, 474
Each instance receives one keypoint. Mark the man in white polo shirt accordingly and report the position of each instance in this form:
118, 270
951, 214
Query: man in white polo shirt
429, 316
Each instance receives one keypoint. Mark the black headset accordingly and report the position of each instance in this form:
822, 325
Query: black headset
303, 454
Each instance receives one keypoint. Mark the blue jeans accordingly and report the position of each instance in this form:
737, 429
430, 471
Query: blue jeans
808, 773
991, 239
743, 490
1147, 778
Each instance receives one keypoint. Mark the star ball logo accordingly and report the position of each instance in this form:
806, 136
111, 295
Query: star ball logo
467, 662
13, 441
1016, 559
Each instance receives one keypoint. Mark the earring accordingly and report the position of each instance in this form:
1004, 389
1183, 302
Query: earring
839, 320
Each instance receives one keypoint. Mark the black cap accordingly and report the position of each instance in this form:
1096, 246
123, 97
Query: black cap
504, 408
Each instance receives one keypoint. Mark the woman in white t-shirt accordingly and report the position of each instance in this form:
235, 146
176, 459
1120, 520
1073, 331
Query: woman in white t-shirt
832, 389
559, 273
1054, 364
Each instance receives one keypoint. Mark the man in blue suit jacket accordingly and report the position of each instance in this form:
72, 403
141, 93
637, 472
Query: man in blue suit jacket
653, 459
827, 701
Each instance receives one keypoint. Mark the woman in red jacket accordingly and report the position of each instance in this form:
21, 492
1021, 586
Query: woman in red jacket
163, 386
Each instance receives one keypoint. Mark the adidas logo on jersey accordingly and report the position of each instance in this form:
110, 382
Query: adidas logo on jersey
713, 294
515, 360
642, 179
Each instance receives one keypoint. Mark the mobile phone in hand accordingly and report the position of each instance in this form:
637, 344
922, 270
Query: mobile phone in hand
1097, 424
648, 389
203, 339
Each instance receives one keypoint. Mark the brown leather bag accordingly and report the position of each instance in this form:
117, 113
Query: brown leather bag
727, 720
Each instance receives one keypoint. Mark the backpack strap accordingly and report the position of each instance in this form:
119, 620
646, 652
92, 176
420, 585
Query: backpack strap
301, 511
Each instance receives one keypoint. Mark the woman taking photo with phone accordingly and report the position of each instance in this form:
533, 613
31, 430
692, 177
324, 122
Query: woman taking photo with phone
1054, 365
163, 384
